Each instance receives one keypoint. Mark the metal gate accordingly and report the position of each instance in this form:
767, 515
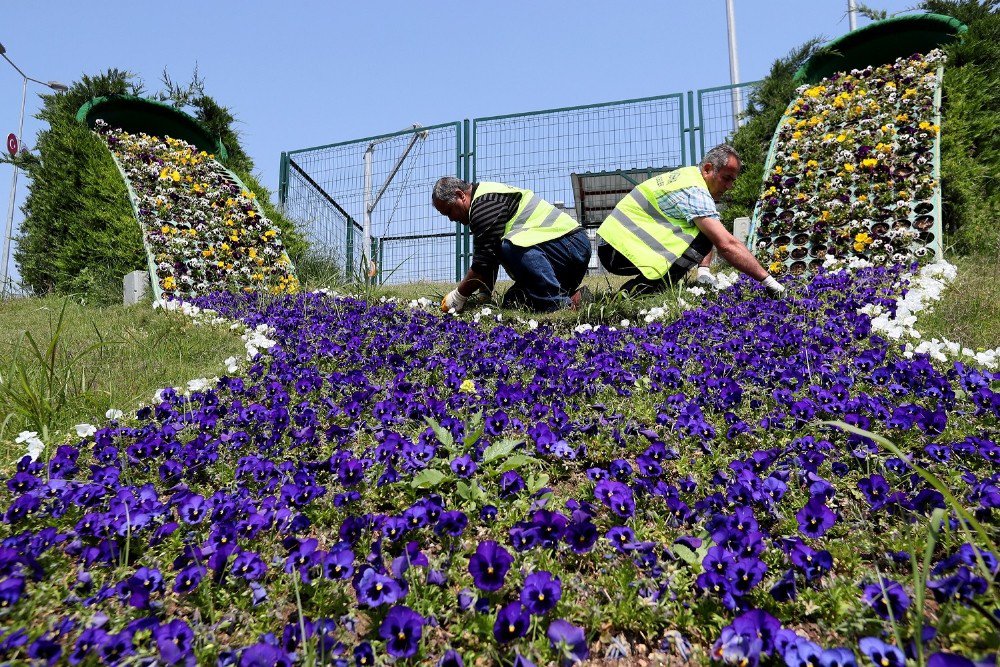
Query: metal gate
380, 185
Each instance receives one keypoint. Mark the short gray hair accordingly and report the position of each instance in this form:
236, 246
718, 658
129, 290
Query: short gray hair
445, 188
719, 156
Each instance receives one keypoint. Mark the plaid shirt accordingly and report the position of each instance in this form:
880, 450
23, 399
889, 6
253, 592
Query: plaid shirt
689, 203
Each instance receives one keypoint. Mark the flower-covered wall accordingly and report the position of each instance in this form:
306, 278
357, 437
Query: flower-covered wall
854, 170
203, 230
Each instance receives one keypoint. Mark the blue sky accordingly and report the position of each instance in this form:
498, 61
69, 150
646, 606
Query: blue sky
303, 73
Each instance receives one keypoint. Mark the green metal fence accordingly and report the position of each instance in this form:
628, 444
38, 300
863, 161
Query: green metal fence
541, 151
719, 111
324, 188
330, 190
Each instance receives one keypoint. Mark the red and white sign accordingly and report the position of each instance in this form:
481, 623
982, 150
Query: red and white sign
12, 143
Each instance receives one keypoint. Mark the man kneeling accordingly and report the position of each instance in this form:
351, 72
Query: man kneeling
542, 248
669, 224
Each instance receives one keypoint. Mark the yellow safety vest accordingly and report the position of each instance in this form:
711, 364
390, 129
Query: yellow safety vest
648, 237
535, 221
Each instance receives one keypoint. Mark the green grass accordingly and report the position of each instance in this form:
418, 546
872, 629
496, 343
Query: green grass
608, 305
100, 358
969, 311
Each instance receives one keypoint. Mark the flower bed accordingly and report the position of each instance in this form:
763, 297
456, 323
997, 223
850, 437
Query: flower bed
853, 170
388, 482
202, 229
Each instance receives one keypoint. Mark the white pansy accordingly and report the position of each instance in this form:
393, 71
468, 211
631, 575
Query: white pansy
35, 448
85, 430
34, 444
926, 286
114, 414
25, 436
232, 364
199, 384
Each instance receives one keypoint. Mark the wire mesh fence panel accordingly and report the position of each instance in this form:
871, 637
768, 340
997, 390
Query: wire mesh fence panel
719, 109
391, 176
416, 258
326, 225
541, 151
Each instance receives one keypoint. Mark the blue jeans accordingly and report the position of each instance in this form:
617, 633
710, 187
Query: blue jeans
545, 275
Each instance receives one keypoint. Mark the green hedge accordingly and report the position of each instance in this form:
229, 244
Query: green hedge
970, 135
79, 235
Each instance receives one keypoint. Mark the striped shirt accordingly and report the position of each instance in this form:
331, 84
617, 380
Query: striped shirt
488, 219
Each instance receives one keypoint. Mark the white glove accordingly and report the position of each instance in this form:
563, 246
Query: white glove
705, 276
773, 287
453, 300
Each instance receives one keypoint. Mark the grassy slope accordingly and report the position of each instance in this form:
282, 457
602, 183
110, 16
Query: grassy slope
969, 313
144, 350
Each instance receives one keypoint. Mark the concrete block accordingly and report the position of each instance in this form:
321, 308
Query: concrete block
136, 286
741, 229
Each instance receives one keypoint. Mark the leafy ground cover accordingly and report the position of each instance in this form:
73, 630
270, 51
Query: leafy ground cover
385, 482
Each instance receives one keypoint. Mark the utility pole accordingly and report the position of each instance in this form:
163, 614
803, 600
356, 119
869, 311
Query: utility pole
852, 14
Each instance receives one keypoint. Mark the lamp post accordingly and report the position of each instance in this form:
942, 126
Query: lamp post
9, 228
734, 64
852, 15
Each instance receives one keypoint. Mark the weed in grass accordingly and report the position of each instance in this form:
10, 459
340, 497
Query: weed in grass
42, 379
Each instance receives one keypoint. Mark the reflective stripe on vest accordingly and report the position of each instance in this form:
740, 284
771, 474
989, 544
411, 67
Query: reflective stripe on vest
535, 220
649, 238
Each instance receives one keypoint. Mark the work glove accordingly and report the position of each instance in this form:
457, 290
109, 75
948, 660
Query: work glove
705, 276
774, 288
453, 300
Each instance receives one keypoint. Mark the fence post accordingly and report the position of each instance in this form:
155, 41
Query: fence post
470, 175
692, 127
283, 179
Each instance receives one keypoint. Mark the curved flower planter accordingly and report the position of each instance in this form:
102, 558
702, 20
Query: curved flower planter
202, 228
